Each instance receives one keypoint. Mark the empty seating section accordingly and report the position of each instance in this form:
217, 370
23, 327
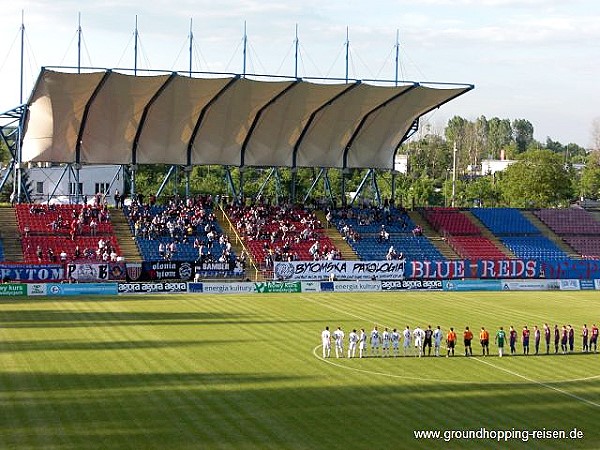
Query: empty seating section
82, 232
182, 230
474, 247
411, 247
462, 234
533, 247
505, 221
569, 221
451, 221
518, 234
577, 227
281, 233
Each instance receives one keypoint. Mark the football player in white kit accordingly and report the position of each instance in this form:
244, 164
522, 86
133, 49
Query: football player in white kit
352, 341
326, 340
375, 342
419, 334
385, 339
338, 335
437, 340
395, 338
362, 344
407, 337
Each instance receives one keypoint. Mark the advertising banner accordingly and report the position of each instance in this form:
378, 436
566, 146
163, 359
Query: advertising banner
587, 285
368, 270
82, 289
472, 285
273, 287
152, 288
221, 288
109, 271
356, 286
597, 284
32, 272
569, 285
37, 289
13, 290
530, 285
418, 285
310, 286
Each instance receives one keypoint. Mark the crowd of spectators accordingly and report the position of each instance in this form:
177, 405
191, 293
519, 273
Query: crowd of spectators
284, 232
182, 221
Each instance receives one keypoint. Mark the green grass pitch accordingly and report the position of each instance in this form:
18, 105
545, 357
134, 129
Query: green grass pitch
236, 371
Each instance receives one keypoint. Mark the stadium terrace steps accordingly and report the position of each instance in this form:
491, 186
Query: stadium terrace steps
11, 237
434, 237
337, 239
485, 232
122, 231
229, 230
548, 233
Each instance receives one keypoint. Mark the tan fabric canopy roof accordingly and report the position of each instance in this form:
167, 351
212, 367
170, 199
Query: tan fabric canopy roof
113, 118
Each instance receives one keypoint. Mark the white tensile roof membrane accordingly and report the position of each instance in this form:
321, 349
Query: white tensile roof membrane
113, 118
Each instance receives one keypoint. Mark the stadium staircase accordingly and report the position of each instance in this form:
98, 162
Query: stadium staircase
486, 233
11, 237
252, 270
337, 239
434, 237
548, 233
121, 229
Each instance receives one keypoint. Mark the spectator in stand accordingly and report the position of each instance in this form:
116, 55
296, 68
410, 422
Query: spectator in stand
77, 252
39, 253
63, 256
117, 197
417, 231
93, 227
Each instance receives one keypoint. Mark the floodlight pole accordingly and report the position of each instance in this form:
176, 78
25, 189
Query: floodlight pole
347, 52
454, 175
22, 53
135, 46
191, 44
245, 47
296, 45
79, 44
397, 55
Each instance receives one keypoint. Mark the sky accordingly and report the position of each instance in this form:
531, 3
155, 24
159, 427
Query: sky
528, 59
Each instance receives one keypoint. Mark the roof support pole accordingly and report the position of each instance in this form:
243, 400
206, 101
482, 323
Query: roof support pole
343, 193
327, 186
165, 181
375, 187
264, 184
278, 190
188, 172
132, 169
75, 169
57, 184
230, 182
114, 178
313, 185
360, 187
393, 196
294, 186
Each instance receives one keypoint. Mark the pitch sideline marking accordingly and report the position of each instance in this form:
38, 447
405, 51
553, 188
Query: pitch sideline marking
547, 386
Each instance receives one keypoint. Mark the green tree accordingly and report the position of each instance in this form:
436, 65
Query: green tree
538, 179
589, 183
523, 134
500, 135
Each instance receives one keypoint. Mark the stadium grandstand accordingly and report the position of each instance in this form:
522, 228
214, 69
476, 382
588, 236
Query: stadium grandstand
179, 121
